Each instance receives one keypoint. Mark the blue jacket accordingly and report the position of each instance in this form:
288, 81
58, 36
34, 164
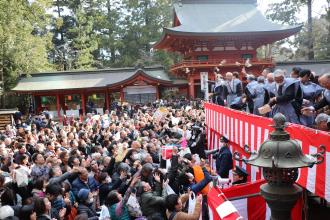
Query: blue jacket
77, 184
224, 162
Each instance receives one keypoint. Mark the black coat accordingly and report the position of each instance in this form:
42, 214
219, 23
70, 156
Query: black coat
220, 94
83, 209
116, 181
224, 162
43, 217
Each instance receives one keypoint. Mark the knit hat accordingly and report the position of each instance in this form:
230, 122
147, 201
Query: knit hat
6, 211
83, 194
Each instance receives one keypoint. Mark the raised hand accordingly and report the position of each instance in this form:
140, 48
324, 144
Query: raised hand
157, 177
135, 180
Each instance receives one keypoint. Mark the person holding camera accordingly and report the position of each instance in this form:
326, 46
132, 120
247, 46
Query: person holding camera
224, 158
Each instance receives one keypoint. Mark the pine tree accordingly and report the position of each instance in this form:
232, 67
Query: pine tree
143, 23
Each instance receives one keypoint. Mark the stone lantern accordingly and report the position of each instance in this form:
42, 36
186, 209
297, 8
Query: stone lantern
280, 157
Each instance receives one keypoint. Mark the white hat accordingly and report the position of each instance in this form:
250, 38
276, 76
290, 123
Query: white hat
6, 211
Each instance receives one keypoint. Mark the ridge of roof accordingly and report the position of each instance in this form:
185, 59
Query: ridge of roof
85, 80
97, 71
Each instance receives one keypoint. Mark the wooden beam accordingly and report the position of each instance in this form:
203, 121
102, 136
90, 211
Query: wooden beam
157, 92
107, 103
122, 96
191, 87
83, 103
58, 107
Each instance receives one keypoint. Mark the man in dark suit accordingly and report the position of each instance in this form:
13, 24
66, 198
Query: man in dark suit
220, 91
224, 159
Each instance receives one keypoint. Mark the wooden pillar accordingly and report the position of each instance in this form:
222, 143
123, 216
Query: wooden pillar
37, 100
58, 107
83, 103
107, 103
157, 93
122, 97
191, 88
62, 101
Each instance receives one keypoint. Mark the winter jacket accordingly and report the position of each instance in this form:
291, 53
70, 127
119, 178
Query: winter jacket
83, 209
77, 184
153, 202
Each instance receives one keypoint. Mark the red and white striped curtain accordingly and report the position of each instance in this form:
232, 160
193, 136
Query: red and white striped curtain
243, 128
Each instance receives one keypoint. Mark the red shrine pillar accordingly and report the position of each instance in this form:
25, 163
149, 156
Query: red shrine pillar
37, 99
58, 107
107, 103
83, 103
157, 92
122, 97
191, 88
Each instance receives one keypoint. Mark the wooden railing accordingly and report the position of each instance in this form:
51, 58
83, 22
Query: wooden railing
219, 63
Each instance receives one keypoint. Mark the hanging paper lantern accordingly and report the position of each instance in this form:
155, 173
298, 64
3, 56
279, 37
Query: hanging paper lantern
69, 97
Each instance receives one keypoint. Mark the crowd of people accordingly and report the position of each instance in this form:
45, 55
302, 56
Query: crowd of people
111, 166
302, 97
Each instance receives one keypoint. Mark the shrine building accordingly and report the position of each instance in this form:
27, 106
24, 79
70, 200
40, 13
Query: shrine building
217, 36
74, 93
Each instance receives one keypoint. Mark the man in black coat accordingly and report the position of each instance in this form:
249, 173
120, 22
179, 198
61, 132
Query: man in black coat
220, 94
224, 159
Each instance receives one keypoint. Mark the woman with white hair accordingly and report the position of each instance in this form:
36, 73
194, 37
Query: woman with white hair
322, 121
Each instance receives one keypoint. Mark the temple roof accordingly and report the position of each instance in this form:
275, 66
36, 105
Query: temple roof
224, 18
209, 17
68, 80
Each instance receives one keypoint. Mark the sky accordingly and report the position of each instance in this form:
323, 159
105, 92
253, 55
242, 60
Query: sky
318, 8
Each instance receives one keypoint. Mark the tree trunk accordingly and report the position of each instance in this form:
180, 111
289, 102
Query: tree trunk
328, 37
147, 23
310, 31
110, 32
59, 15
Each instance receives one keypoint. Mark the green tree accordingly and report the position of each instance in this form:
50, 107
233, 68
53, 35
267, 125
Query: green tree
143, 25
83, 39
107, 25
286, 13
61, 54
24, 38
327, 18
74, 40
321, 40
